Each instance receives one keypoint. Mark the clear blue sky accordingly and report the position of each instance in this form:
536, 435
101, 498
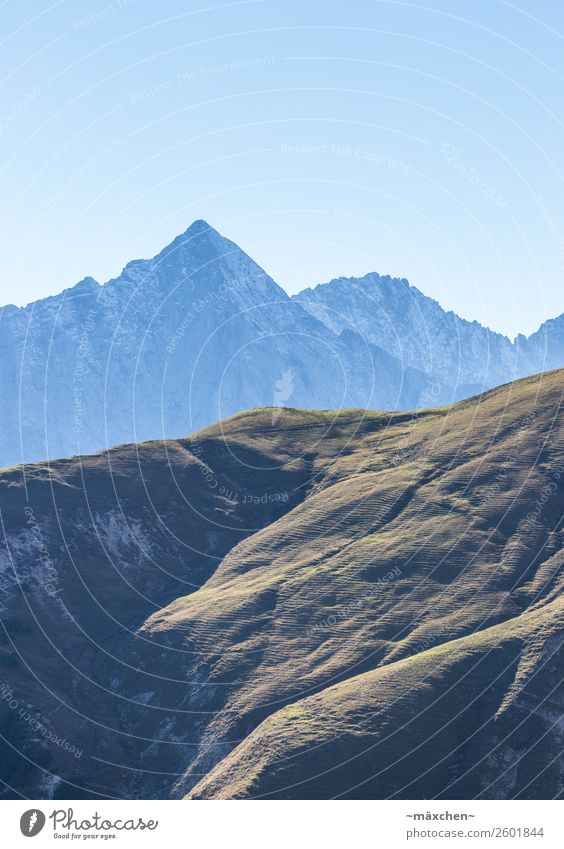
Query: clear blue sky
423, 140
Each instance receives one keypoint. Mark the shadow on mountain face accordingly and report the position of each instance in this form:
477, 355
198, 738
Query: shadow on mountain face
292, 604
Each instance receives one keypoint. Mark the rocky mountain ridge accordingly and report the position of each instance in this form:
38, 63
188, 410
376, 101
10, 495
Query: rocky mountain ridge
201, 332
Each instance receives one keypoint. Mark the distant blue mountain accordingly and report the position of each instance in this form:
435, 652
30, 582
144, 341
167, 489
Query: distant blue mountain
200, 332
457, 353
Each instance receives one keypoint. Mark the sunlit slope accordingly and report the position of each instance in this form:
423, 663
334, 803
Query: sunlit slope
417, 531
475, 717
292, 603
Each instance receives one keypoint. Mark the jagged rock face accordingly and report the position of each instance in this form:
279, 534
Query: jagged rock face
416, 330
200, 332
195, 334
292, 604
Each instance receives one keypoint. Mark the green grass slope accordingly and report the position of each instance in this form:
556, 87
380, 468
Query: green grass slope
294, 604
479, 717
417, 531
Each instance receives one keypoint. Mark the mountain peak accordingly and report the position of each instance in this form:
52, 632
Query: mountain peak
87, 284
198, 226
199, 237
202, 231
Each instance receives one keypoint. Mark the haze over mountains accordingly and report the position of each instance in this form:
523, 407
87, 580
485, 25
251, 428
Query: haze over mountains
461, 355
293, 604
200, 332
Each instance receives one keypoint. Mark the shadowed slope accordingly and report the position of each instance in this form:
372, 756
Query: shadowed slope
424, 532
265, 604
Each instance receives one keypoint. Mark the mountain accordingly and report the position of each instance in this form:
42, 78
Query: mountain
293, 604
416, 330
201, 332
174, 343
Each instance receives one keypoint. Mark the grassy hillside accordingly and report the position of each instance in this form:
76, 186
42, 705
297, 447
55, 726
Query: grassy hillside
474, 717
297, 604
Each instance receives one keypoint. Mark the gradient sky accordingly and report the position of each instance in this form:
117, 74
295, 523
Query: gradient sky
423, 140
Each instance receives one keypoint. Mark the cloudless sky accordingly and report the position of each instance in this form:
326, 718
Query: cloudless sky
419, 139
